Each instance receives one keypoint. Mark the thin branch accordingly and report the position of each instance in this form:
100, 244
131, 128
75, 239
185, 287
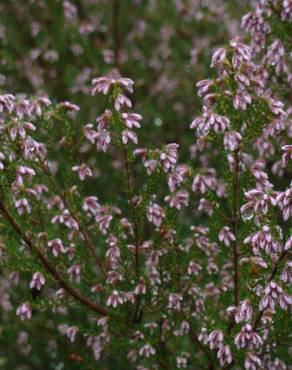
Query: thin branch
74, 293
131, 194
234, 223
234, 229
163, 357
137, 314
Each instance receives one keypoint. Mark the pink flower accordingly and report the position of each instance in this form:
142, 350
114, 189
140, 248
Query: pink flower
83, 171
272, 292
37, 104
126, 83
206, 206
90, 133
147, 350
71, 333
242, 80
115, 299
218, 57
72, 108
284, 202
194, 268
247, 338
104, 221
276, 107
224, 355
216, 339
288, 244
90, 204
26, 171
19, 129
32, 149
122, 100
177, 176
275, 364
113, 252
38, 280
104, 121
252, 362
141, 152
287, 149
113, 276
150, 165
285, 300
286, 13
103, 140
204, 182
129, 135
175, 301
24, 311
258, 201
232, 140
155, 214
274, 128
57, 246
241, 52
263, 240
210, 120
74, 272
101, 85
244, 312
276, 50
258, 261
132, 120
204, 86
203, 336
2, 158
6, 103
22, 206
257, 171
178, 200
255, 23
226, 236
22, 108
66, 219
141, 287
168, 157
286, 275
241, 100
182, 362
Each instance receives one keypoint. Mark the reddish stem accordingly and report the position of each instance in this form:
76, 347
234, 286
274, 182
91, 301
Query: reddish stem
74, 293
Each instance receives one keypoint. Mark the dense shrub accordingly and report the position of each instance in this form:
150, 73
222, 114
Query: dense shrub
133, 244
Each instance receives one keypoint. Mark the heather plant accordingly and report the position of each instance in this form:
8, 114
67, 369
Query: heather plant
179, 264
59, 48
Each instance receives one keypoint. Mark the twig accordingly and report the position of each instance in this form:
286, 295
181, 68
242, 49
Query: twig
137, 314
49, 267
163, 360
234, 229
